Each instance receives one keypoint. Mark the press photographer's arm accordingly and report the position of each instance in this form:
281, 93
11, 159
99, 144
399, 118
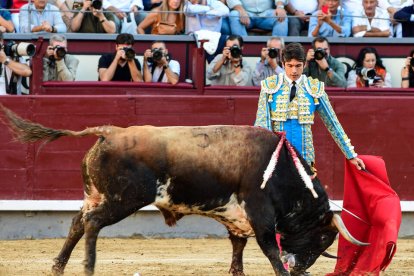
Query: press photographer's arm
17, 67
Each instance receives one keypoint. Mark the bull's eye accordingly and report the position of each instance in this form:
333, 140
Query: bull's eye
324, 238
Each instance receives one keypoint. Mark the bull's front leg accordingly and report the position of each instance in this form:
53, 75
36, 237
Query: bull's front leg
75, 234
264, 228
238, 244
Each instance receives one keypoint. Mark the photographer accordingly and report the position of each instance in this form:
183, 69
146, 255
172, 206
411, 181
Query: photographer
407, 73
12, 65
269, 63
322, 66
158, 67
57, 64
91, 19
229, 68
122, 65
368, 71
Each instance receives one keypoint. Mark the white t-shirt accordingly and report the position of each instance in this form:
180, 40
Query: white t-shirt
174, 66
379, 21
308, 6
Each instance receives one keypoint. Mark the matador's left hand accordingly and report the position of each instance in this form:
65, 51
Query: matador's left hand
358, 163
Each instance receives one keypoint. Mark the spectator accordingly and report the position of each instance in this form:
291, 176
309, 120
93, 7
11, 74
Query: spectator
229, 68
368, 70
205, 15
91, 19
120, 8
406, 15
370, 21
249, 14
6, 24
392, 6
40, 16
122, 65
270, 60
158, 65
300, 11
65, 7
333, 22
15, 11
322, 66
407, 73
168, 18
57, 64
12, 69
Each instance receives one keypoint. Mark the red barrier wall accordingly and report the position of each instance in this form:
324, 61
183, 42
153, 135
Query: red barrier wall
378, 123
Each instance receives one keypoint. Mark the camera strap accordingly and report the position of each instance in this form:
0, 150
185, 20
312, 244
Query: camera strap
161, 75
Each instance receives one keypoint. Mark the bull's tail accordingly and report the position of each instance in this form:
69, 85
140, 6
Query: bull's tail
27, 132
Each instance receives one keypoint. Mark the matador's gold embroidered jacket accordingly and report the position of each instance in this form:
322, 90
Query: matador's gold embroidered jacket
275, 112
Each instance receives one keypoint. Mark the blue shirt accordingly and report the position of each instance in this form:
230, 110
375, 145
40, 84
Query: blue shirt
341, 18
50, 14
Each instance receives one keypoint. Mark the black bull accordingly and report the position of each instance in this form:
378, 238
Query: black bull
215, 171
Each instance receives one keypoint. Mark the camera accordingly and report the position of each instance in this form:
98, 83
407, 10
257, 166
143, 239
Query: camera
366, 73
235, 51
60, 51
97, 4
129, 53
13, 49
273, 52
320, 54
412, 62
157, 55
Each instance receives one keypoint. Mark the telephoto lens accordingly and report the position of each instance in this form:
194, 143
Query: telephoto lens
157, 54
129, 53
97, 4
319, 54
60, 51
235, 51
273, 52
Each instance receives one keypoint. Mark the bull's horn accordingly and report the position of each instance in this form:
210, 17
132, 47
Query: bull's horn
339, 224
327, 255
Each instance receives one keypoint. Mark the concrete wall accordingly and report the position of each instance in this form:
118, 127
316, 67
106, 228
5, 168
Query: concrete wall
148, 224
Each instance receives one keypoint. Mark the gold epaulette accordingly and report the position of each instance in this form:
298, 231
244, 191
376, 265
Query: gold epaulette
272, 84
314, 87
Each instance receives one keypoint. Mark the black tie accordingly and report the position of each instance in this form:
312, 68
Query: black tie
293, 91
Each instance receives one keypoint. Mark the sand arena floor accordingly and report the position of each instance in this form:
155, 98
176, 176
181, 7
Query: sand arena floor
163, 257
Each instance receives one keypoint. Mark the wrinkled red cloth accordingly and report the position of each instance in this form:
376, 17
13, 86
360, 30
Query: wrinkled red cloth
369, 196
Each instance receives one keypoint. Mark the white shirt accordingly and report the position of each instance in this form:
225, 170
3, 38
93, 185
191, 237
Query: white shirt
174, 66
123, 5
3, 80
377, 22
308, 6
205, 17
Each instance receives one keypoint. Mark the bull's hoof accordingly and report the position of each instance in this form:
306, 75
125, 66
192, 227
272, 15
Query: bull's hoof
58, 267
236, 272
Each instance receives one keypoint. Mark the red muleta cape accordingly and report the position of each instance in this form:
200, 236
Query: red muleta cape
368, 195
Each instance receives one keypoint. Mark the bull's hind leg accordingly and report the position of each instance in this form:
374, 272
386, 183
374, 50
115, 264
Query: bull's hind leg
75, 234
105, 214
238, 244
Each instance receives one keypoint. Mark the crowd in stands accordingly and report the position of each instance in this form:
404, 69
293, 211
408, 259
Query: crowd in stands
320, 19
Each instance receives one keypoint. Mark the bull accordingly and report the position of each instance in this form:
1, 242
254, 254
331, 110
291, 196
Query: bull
214, 171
